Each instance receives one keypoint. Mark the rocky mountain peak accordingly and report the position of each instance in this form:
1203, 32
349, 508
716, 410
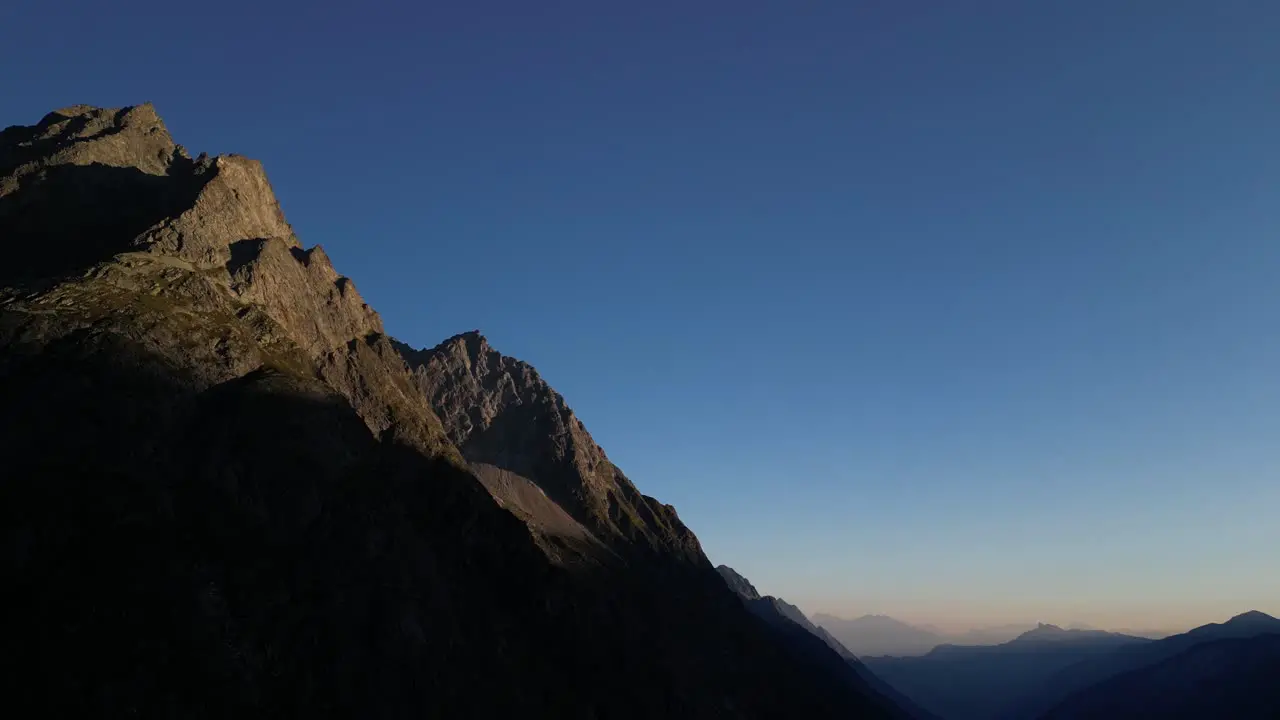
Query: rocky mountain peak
1254, 617
96, 182
100, 207
1046, 631
470, 344
133, 137
1253, 621
508, 422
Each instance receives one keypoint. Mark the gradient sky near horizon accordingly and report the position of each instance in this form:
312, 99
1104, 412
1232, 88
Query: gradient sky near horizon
963, 312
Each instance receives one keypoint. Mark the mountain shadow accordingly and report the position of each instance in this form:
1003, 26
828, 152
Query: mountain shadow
1093, 670
1237, 678
105, 206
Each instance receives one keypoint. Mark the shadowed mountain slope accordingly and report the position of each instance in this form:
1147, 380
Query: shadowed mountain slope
1236, 678
1093, 670
225, 494
982, 682
816, 647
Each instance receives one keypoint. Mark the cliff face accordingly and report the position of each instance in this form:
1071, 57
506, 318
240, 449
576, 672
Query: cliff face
506, 419
108, 216
224, 492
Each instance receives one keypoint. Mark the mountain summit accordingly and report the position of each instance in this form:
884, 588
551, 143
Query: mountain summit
519, 434
225, 493
1255, 618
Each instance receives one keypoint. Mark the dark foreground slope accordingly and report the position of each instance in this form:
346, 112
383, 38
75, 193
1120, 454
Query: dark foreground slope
816, 648
224, 494
1237, 678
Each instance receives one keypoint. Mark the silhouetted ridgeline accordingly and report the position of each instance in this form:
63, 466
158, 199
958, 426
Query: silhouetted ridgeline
1236, 678
1051, 672
816, 648
1228, 669
226, 494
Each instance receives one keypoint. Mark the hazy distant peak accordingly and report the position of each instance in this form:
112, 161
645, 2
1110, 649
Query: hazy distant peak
1046, 632
879, 618
1253, 617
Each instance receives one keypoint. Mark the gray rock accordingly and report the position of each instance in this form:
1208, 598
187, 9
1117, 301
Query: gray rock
499, 412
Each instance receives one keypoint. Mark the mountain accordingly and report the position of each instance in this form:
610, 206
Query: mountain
1150, 633
816, 648
884, 635
781, 612
1049, 633
1236, 678
982, 682
990, 634
880, 635
226, 493
1128, 658
535, 456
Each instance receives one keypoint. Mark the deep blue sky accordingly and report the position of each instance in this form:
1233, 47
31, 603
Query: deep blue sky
962, 312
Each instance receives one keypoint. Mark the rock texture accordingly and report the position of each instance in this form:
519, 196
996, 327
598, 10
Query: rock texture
501, 414
224, 492
107, 195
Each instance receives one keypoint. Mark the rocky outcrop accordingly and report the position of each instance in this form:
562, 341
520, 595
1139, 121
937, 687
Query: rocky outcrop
107, 197
224, 491
500, 413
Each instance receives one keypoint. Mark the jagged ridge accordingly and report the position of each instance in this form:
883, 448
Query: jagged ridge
206, 236
501, 414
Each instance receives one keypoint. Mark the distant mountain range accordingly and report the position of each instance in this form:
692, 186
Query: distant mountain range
1236, 678
1081, 677
1220, 669
979, 682
884, 635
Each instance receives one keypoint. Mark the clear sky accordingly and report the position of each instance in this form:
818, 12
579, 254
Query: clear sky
958, 311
